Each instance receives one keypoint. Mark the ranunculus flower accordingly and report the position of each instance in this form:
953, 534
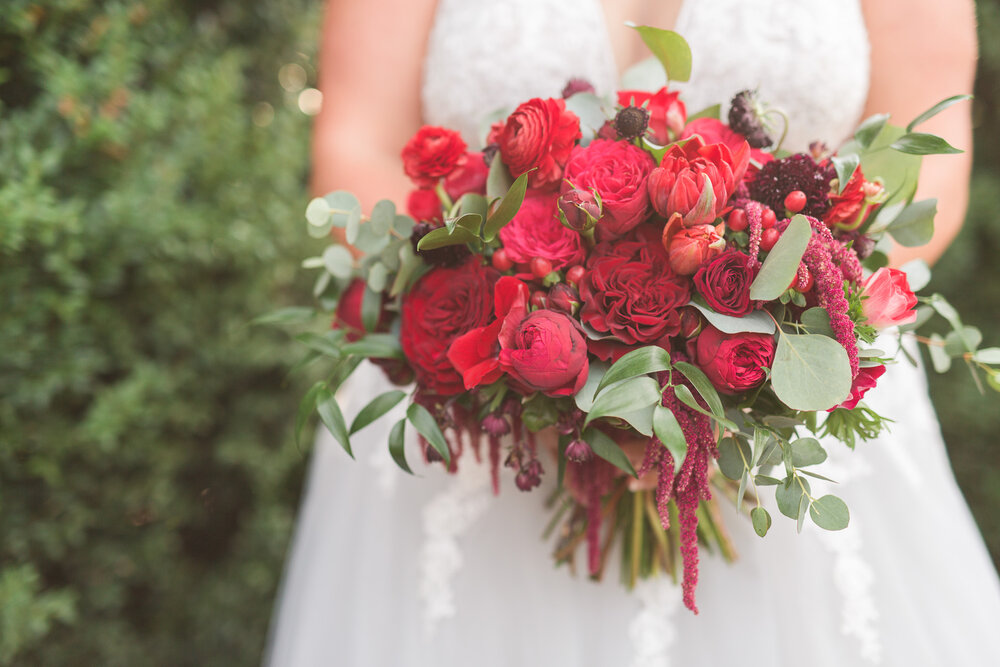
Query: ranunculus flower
667, 113
866, 379
888, 300
714, 131
431, 154
544, 351
690, 247
535, 231
617, 171
540, 133
847, 210
444, 304
734, 363
725, 283
469, 175
695, 180
630, 292
424, 205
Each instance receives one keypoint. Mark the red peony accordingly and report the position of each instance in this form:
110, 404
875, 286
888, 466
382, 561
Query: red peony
866, 379
734, 362
469, 175
431, 154
536, 232
667, 114
725, 283
695, 180
540, 133
544, 351
424, 205
444, 304
617, 171
888, 300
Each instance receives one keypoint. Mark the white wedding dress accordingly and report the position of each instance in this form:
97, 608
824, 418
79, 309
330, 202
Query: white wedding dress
397, 571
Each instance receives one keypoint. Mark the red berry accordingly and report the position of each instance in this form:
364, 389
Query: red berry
501, 262
541, 267
768, 219
807, 284
539, 299
575, 274
795, 201
769, 238
737, 220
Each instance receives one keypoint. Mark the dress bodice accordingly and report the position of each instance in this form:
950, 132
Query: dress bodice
809, 58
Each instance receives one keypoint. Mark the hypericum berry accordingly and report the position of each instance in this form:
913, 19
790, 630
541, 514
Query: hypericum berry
795, 201
769, 238
768, 219
501, 261
575, 274
541, 267
631, 122
800, 285
539, 299
737, 220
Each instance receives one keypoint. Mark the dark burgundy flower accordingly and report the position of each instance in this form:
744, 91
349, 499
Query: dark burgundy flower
725, 281
798, 172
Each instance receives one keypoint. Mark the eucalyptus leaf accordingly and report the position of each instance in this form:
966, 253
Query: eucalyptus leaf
918, 143
397, 437
755, 322
609, 450
742, 490
940, 360
669, 432
426, 426
378, 277
630, 395
333, 419
782, 262
810, 372
807, 452
352, 227
817, 321
369, 242
957, 343
507, 208
383, 216
670, 49
589, 109
318, 217
734, 457
338, 261
764, 480
936, 109
918, 274
830, 513
800, 518
322, 282
378, 406
987, 355
914, 226
403, 225
788, 494
643, 361
371, 307
761, 520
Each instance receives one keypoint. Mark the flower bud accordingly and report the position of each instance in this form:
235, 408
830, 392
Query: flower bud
579, 210
530, 476
746, 116
495, 425
579, 451
577, 85
564, 299
631, 122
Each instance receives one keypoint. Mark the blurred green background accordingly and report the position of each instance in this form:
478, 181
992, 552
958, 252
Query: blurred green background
153, 166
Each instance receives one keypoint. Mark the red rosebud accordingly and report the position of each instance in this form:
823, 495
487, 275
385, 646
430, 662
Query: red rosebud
579, 210
423, 205
866, 379
734, 363
563, 299
667, 113
887, 299
539, 134
431, 154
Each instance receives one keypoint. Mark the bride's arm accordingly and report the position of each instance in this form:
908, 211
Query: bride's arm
923, 51
371, 55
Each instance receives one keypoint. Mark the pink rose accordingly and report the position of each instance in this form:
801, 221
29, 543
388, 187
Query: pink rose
544, 351
734, 363
865, 379
536, 232
888, 300
617, 171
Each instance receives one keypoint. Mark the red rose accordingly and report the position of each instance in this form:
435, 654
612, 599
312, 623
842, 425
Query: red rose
725, 283
866, 379
734, 362
469, 175
667, 114
630, 292
847, 209
714, 131
888, 300
424, 205
617, 170
695, 180
690, 247
544, 351
540, 133
535, 231
431, 154
444, 304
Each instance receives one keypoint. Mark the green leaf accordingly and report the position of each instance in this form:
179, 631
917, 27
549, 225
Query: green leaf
830, 513
788, 495
306, 406
498, 181
470, 222
817, 321
378, 278
643, 361
869, 129
957, 343
685, 396
589, 109
764, 480
940, 359
293, 315
403, 225
936, 109
714, 111
627, 397
508, 207
703, 385
734, 457
845, 165
782, 262
669, 432
410, 265
396, 441
605, 447
641, 420
343, 207
371, 308
328, 343
670, 49
376, 408
338, 261
918, 143
383, 216
428, 427
898, 171
333, 419
472, 203
584, 398
918, 274
318, 217
761, 520
755, 322
441, 237
914, 226
801, 517
987, 355
807, 452
742, 490
376, 346
810, 372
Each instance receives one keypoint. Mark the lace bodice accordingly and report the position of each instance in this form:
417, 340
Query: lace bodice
808, 57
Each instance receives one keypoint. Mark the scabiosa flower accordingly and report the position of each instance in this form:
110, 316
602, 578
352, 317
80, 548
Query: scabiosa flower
631, 122
798, 172
746, 117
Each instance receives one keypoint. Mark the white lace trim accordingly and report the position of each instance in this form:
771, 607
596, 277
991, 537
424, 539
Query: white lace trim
652, 630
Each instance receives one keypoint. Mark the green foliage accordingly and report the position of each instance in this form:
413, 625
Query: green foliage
152, 174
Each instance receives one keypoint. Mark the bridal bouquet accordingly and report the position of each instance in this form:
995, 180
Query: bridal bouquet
645, 303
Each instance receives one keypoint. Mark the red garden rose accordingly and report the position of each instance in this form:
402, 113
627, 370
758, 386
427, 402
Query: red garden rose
535, 231
544, 351
431, 154
866, 379
540, 133
667, 114
444, 304
725, 283
887, 299
631, 293
617, 170
424, 205
734, 363
469, 175
695, 180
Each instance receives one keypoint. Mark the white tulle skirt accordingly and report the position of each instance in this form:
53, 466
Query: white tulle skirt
397, 571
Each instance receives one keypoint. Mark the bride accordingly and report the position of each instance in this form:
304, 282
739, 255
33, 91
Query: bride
387, 569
